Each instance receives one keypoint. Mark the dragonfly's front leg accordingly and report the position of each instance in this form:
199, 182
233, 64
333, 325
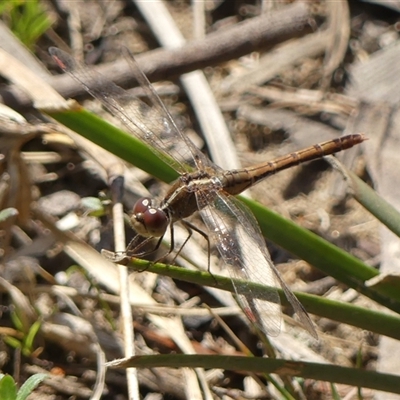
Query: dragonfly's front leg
120, 257
132, 250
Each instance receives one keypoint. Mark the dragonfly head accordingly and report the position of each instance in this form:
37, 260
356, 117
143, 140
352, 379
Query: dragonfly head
147, 220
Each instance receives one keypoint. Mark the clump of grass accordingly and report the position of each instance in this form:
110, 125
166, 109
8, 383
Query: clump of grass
27, 19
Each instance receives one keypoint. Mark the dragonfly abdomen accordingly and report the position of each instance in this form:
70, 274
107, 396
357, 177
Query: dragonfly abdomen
236, 181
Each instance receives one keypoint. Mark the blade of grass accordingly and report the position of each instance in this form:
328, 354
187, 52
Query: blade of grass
29, 385
329, 373
388, 284
321, 254
114, 140
375, 204
364, 318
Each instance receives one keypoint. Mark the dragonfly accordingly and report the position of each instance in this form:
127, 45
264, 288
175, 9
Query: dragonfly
206, 188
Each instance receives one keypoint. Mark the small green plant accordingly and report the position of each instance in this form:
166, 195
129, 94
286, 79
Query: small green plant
26, 343
26, 18
8, 387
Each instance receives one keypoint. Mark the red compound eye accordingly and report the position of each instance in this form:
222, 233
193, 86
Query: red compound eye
155, 221
147, 220
142, 205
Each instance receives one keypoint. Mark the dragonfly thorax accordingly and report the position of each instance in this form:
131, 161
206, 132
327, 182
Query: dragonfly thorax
147, 219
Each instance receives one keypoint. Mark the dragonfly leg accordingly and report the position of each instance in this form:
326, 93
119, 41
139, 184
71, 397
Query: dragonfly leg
115, 257
190, 233
133, 248
190, 227
171, 246
145, 253
122, 257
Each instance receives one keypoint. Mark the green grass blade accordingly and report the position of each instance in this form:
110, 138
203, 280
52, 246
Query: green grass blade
321, 372
322, 254
29, 385
116, 141
30, 337
375, 204
364, 318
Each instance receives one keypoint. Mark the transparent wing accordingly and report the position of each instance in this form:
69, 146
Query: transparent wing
237, 235
151, 124
245, 256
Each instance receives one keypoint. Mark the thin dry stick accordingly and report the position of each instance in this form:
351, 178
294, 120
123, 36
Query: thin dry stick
339, 29
199, 19
117, 187
75, 30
